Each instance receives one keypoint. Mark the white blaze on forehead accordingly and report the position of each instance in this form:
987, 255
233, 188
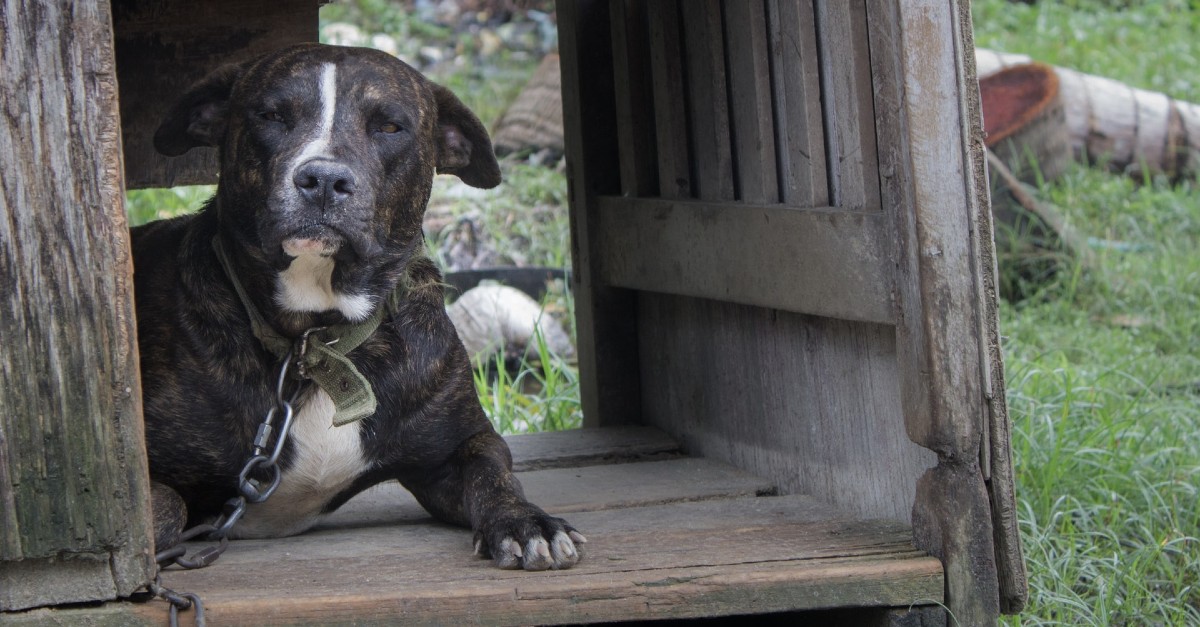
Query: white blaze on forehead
306, 284
323, 137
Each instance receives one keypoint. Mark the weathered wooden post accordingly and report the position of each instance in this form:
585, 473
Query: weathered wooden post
74, 523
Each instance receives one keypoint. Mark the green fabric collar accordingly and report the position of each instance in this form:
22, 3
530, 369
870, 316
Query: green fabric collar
322, 357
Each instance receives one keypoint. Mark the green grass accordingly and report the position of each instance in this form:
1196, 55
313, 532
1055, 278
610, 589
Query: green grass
542, 395
1103, 362
1152, 44
145, 205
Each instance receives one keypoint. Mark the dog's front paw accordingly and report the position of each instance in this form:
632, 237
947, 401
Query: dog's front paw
529, 539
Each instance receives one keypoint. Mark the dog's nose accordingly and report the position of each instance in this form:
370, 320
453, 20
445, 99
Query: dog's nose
324, 182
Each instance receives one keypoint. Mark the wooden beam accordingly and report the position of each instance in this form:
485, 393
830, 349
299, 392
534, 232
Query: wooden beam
935, 193
822, 262
609, 381
996, 448
74, 493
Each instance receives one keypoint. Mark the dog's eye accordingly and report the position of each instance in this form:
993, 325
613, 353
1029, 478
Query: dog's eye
389, 128
271, 116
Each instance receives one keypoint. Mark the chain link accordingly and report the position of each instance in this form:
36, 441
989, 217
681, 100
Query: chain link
250, 490
179, 601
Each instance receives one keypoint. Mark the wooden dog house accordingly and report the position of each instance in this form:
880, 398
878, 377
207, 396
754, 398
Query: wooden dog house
788, 348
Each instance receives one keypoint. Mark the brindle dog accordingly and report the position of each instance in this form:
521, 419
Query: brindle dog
327, 156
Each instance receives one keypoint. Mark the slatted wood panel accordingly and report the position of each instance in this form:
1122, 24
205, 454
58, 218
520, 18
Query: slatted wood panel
635, 113
847, 103
682, 538
752, 120
670, 115
735, 98
796, 84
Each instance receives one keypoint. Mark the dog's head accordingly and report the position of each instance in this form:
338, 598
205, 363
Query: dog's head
327, 156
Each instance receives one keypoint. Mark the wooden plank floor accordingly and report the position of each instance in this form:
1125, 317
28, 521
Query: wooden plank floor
674, 537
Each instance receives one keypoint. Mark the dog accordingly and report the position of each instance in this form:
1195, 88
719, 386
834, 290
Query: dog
313, 241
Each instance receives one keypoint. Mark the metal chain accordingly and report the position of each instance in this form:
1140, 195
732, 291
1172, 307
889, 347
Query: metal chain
179, 601
249, 490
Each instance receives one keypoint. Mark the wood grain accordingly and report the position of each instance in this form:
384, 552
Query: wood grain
996, 463
635, 103
751, 115
670, 112
809, 402
847, 103
583, 489
72, 467
707, 100
796, 81
953, 383
676, 561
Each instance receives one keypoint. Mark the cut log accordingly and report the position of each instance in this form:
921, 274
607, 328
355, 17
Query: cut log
534, 121
1024, 120
1140, 132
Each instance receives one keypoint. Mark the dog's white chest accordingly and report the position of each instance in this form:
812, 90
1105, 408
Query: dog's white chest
306, 286
326, 460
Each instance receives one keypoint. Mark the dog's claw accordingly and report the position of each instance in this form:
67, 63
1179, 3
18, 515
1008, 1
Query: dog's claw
537, 553
535, 541
512, 546
564, 549
509, 555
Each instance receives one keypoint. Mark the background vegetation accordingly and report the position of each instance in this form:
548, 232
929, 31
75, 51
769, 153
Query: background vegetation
1103, 363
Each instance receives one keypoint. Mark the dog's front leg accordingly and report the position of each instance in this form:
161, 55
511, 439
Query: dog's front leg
481, 490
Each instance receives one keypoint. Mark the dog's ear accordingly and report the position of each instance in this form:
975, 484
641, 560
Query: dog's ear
199, 117
463, 146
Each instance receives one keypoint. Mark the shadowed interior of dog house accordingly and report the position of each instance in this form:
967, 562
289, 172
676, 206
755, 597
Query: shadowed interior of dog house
788, 351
